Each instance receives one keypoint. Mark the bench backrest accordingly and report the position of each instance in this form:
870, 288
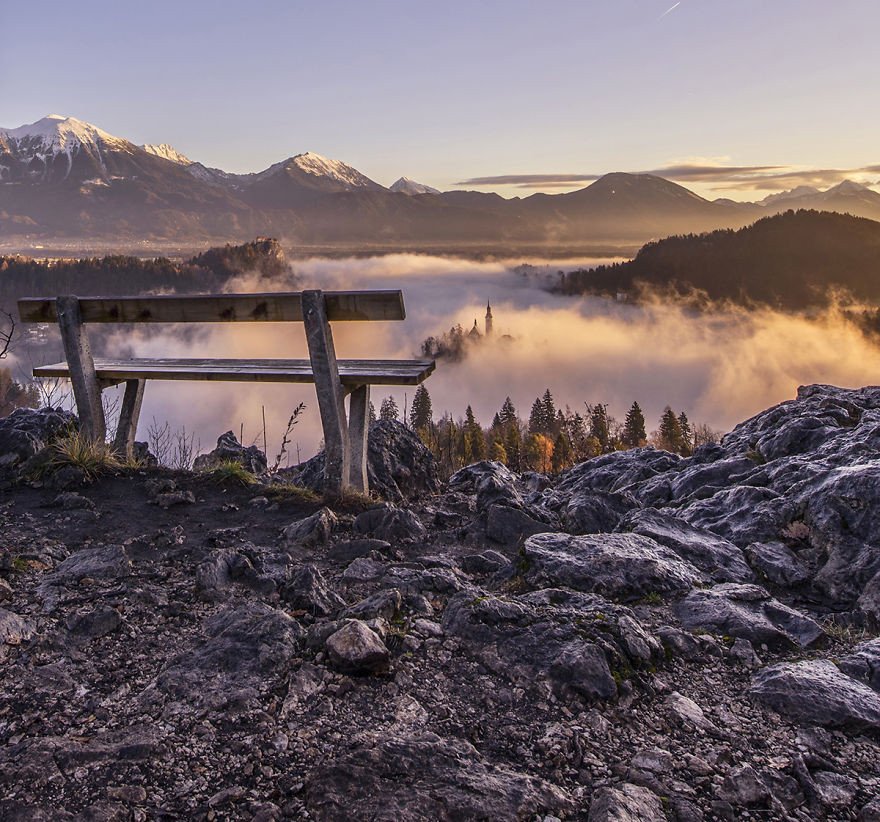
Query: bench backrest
218, 308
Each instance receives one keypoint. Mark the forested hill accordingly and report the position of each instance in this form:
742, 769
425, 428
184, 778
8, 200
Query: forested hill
792, 260
209, 271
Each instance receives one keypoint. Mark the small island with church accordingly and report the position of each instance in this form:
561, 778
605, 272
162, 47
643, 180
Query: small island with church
454, 345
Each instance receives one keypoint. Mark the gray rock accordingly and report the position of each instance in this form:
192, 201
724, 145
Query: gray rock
626, 803
568, 638
246, 651
311, 531
355, 649
744, 653
26, 431
626, 567
487, 562
864, 663
493, 490
719, 558
424, 778
835, 790
387, 522
742, 786
348, 550
510, 526
307, 590
219, 571
229, 449
94, 623
71, 501
363, 569
469, 478
399, 466
747, 611
385, 604
870, 812
594, 512
686, 712
778, 563
14, 629
617, 471
817, 692
108, 562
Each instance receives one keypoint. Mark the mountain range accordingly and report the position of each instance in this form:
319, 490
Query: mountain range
61, 177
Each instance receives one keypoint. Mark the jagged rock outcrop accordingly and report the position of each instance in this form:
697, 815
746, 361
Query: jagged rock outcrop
229, 449
26, 431
399, 466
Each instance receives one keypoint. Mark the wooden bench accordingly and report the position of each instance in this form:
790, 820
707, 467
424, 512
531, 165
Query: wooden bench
345, 438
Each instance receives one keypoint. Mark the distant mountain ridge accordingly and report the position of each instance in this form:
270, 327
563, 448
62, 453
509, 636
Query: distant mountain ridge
64, 177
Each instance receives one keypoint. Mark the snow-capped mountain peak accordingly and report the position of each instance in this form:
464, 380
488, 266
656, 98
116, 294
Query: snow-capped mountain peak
167, 152
58, 133
319, 166
847, 187
406, 186
792, 194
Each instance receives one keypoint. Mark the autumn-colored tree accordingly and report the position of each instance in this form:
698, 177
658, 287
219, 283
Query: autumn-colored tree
539, 452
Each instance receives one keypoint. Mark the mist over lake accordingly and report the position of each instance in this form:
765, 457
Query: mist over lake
720, 367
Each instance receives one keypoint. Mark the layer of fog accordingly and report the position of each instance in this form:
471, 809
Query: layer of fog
719, 367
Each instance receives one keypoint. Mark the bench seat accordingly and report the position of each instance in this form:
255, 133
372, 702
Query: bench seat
351, 372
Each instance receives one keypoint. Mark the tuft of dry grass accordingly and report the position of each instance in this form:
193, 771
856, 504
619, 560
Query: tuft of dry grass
81, 451
231, 472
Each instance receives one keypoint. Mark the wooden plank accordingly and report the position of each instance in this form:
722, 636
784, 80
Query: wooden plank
126, 429
330, 391
215, 308
351, 372
81, 368
358, 430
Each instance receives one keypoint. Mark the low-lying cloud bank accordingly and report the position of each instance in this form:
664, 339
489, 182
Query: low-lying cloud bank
719, 367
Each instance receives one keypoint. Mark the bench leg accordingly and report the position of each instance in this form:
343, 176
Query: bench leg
330, 391
86, 388
358, 429
128, 416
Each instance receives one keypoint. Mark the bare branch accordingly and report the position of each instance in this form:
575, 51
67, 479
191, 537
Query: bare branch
7, 333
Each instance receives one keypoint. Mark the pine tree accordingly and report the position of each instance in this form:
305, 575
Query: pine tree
687, 437
507, 415
389, 410
475, 435
670, 431
372, 412
537, 423
634, 433
549, 412
599, 424
561, 453
420, 415
513, 447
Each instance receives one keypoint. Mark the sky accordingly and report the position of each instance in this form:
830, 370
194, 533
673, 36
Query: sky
733, 98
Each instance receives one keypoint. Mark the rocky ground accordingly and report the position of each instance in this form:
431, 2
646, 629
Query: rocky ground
641, 638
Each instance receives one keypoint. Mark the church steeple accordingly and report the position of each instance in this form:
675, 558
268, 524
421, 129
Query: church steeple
488, 319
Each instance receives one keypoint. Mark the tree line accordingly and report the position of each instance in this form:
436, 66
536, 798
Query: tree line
790, 261
550, 440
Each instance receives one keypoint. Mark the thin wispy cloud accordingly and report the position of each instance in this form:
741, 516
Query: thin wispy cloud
705, 172
669, 10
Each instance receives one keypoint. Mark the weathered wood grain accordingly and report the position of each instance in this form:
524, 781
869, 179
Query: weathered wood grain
81, 368
216, 308
351, 372
330, 391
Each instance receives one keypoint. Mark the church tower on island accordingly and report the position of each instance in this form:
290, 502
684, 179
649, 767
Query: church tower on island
488, 319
